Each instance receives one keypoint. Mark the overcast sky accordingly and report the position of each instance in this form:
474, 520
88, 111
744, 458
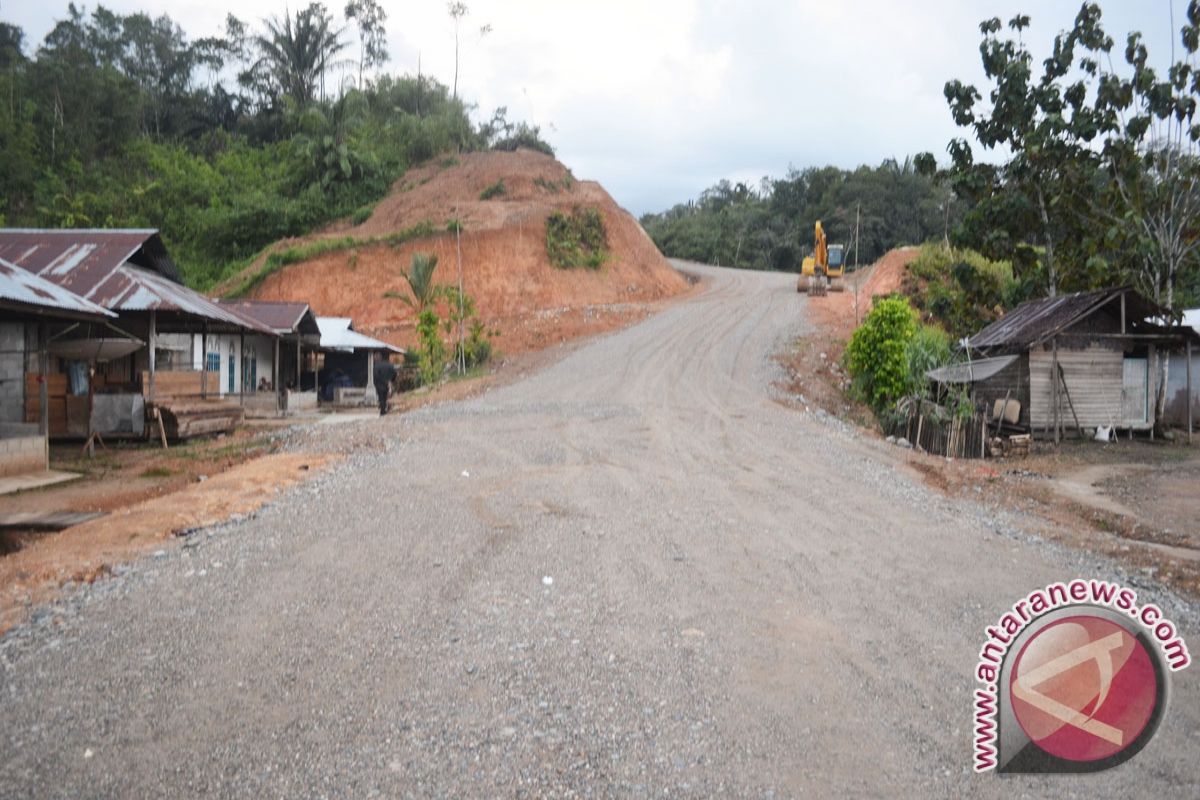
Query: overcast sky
659, 99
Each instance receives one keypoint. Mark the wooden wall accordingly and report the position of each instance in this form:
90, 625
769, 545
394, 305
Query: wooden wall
1094, 376
1013, 382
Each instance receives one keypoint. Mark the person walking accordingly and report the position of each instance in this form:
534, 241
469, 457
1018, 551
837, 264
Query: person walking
385, 373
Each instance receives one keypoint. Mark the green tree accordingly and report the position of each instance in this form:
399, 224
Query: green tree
370, 17
297, 51
420, 281
877, 355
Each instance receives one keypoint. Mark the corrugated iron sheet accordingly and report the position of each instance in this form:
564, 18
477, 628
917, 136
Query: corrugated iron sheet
1038, 320
82, 259
121, 270
281, 317
131, 288
337, 334
20, 286
978, 370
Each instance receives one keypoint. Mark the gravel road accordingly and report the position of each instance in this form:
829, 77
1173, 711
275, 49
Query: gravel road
634, 572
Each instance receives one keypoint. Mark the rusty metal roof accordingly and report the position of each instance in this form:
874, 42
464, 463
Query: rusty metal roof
121, 270
24, 290
1037, 320
281, 317
81, 259
130, 288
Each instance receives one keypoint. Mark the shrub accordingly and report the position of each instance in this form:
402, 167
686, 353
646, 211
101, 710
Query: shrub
431, 352
362, 215
493, 191
877, 356
577, 239
929, 348
963, 290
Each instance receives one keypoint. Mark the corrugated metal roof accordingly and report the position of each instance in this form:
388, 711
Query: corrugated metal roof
82, 259
26, 289
1038, 320
121, 270
281, 317
337, 334
978, 370
131, 288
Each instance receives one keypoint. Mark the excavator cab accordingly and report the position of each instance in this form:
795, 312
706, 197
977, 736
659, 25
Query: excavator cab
822, 270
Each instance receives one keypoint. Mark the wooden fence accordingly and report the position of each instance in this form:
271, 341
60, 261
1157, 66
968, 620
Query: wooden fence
931, 433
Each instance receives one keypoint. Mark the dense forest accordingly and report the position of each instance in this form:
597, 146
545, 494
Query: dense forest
225, 143
771, 226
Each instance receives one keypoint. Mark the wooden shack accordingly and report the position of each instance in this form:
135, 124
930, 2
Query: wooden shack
1074, 362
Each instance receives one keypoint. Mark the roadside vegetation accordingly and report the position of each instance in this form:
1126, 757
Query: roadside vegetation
443, 310
577, 239
226, 143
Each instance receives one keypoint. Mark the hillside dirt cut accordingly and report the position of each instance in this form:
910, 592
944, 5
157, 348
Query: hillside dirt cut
505, 267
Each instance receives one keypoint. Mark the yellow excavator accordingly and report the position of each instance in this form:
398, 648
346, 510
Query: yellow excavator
823, 270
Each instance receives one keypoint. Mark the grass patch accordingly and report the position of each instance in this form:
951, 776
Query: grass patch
493, 191
310, 250
362, 215
447, 163
156, 472
454, 226
554, 187
577, 239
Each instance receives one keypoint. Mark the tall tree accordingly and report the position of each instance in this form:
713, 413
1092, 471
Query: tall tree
370, 17
297, 51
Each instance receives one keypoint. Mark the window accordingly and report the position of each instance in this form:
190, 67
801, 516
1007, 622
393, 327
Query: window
213, 362
232, 370
250, 369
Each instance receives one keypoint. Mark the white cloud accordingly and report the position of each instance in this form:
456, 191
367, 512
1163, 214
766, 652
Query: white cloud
658, 100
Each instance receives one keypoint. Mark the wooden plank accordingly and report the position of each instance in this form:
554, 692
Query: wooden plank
1095, 376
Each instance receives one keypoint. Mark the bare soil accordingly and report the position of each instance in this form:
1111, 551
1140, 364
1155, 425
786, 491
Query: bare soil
505, 268
1134, 501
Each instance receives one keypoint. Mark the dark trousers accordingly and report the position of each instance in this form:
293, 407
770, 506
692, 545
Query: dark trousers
381, 392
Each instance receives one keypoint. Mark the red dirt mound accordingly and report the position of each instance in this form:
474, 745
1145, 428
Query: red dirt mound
504, 263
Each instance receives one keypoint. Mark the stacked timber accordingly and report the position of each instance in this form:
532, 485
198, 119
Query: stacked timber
183, 419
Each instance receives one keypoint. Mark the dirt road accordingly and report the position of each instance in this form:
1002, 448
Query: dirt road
632, 573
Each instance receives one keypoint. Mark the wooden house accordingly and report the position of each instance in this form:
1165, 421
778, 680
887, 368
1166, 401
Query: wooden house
1072, 362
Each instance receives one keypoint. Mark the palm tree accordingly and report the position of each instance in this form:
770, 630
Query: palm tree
297, 51
420, 280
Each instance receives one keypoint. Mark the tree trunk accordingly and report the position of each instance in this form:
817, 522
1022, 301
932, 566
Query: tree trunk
1051, 270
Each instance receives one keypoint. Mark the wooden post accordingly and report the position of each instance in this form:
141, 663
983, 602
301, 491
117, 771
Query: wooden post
1122, 313
43, 389
1188, 392
204, 362
298, 370
1054, 387
1152, 388
275, 377
242, 366
153, 346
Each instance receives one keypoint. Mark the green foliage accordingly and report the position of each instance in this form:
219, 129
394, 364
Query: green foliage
770, 226
431, 352
962, 290
929, 348
577, 239
476, 349
362, 214
454, 225
420, 280
320, 247
493, 191
554, 187
225, 144
877, 356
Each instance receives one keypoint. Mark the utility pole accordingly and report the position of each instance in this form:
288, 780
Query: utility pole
462, 353
857, 216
